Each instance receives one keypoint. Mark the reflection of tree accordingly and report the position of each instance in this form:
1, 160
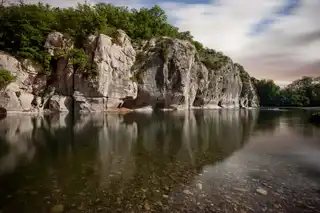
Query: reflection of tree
294, 120
298, 122
55, 168
268, 120
172, 148
124, 160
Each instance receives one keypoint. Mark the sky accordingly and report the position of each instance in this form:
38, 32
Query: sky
272, 39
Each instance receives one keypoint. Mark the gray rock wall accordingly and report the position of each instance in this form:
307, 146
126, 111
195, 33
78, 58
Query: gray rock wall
162, 73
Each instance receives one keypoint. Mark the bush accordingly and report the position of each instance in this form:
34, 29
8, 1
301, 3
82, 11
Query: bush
24, 29
213, 60
5, 78
78, 58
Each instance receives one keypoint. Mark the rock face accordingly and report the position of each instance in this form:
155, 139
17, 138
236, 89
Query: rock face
20, 94
221, 88
112, 58
170, 75
248, 95
166, 72
162, 73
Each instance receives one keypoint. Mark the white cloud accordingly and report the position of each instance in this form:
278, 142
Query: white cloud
276, 53
222, 27
286, 47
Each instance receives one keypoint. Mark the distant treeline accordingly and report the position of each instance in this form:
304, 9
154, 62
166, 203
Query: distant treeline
300, 93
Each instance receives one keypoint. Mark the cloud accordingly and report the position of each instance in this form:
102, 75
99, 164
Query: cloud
286, 37
286, 9
272, 39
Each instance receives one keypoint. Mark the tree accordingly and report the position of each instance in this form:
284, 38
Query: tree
300, 93
268, 92
24, 29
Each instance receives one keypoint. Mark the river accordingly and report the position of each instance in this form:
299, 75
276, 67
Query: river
184, 161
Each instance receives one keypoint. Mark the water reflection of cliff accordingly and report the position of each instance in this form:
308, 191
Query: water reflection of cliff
124, 157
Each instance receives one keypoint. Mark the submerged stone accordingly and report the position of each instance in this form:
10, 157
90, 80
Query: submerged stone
262, 191
59, 208
187, 192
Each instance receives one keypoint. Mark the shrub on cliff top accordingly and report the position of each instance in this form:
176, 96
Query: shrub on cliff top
5, 77
24, 28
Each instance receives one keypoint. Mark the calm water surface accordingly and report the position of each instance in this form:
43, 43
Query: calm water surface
197, 161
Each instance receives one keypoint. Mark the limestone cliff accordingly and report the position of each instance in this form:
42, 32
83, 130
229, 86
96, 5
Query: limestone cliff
162, 73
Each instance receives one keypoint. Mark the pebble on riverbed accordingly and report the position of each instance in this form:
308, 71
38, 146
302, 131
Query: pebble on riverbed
199, 185
262, 191
187, 192
57, 208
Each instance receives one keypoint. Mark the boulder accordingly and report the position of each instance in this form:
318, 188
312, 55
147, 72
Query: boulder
59, 103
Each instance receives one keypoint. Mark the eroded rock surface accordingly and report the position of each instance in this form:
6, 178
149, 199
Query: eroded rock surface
20, 94
166, 72
162, 73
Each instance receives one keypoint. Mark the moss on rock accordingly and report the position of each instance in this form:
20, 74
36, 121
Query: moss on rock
5, 78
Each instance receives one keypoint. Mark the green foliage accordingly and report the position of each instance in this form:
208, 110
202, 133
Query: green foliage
300, 93
268, 92
245, 78
137, 77
198, 45
46, 59
24, 29
213, 60
79, 22
5, 78
164, 49
90, 69
185, 36
78, 58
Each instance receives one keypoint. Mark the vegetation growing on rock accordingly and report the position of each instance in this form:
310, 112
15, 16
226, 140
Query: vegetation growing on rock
245, 78
5, 77
140, 46
25, 27
211, 59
